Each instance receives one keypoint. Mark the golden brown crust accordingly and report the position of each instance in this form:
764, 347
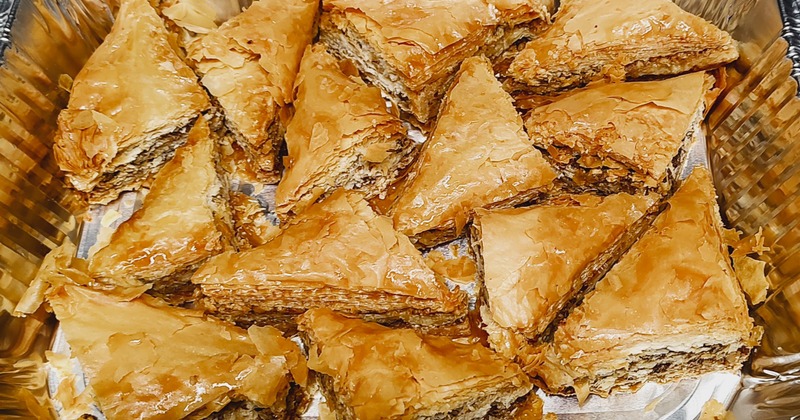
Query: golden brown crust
614, 39
626, 132
341, 135
144, 359
532, 260
249, 65
414, 47
184, 220
477, 156
350, 257
673, 292
378, 371
129, 96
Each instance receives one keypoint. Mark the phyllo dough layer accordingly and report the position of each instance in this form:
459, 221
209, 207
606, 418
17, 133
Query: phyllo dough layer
411, 49
341, 135
130, 107
535, 263
337, 254
368, 371
630, 137
478, 156
249, 65
184, 220
672, 307
147, 360
618, 40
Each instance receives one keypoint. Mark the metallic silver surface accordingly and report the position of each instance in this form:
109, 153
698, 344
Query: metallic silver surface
753, 150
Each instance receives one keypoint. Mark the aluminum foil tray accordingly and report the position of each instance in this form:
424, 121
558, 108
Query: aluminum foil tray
751, 146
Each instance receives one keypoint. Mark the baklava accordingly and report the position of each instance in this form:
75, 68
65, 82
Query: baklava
369, 371
411, 49
341, 135
671, 308
536, 263
146, 360
248, 65
337, 254
478, 156
617, 40
130, 107
184, 219
622, 137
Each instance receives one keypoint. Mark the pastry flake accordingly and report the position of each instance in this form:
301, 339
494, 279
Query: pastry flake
341, 135
337, 254
478, 156
370, 371
622, 137
670, 308
411, 49
146, 360
184, 220
617, 40
536, 263
130, 107
249, 65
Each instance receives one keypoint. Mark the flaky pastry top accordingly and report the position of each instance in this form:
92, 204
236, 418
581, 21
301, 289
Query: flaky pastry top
478, 155
335, 111
147, 360
339, 242
250, 62
414, 34
674, 287
382, 372
608, 35
199, 17
532, 255
176, 225
640, 124
134, 86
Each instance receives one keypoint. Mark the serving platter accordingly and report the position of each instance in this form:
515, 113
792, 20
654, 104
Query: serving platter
750, 150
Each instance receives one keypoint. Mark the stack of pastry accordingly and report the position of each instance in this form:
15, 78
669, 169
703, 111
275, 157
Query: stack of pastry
554, 142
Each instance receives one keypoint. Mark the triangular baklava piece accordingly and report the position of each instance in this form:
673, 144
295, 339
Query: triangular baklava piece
192, 19
536, 263
671, 308
341, 135
130, 107
412, 48
368, 371
249, 65
337, 254
146, 360
478, 156
622, 137
617, 40
184, 220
